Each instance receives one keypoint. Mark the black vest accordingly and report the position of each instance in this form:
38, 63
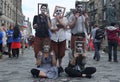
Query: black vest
42, 29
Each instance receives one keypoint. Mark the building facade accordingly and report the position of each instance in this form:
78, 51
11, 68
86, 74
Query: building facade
98, 12
11, 11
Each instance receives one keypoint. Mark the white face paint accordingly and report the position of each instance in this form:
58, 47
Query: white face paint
46, 48
80, 7
44, 9
79, 48
58, 11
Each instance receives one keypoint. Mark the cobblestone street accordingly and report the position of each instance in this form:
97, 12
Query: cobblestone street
18, 70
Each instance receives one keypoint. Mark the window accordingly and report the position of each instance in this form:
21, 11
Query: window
112, 0
8, 10
104, 15
104, 2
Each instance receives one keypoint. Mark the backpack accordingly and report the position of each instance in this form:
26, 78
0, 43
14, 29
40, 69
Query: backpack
99, 34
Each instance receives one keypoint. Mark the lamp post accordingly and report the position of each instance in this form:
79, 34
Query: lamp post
0, 16
16, 11
111, 13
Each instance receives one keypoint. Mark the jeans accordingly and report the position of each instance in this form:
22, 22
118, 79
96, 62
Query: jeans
112, 47
97, 48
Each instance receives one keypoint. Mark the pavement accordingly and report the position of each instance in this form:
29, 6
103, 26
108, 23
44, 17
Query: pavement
18, 70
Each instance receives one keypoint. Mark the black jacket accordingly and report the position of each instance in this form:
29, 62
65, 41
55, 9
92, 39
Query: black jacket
42, 30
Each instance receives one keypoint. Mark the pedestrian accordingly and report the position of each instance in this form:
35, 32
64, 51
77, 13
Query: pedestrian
112, 38
10, 38
31, 40
23, 39
1, 41
46, 63
41, 24
78, 23
58, 33
16, 44
4, 38
76, 66
96, 43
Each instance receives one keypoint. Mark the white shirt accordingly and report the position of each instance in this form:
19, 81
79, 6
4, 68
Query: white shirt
24, 34
59, 35
4, 38
79, 25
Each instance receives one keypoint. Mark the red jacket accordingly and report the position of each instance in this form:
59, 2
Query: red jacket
112, 33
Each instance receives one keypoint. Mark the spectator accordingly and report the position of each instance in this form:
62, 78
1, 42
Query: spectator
16, 45
96, 43
4, 38
10, 39
1, 41
31, 40
112, 38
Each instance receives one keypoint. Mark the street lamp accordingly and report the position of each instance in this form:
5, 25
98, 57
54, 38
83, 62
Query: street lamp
1, 14
16, 10
111, 13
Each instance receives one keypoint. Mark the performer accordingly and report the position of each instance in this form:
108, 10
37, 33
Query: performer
78, 22
58, 39
41, 24
46, 63
76, 66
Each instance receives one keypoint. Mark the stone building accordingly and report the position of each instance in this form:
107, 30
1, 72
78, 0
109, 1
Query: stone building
98, 12
11, 11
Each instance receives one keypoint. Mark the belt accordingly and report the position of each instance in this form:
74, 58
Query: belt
79, 34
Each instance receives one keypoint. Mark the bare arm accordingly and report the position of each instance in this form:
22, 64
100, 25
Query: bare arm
73, 61
53, 58
61, 22
39, 59
72, 24
49, 23
86, 20
54, 30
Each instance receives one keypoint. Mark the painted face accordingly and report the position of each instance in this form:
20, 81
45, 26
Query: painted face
79, 48
58, 11
79, 7
43, 9
46, 48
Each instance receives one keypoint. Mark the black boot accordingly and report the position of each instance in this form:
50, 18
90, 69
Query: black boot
60, 69
9, 55
35, 73
88, 76
17, 55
